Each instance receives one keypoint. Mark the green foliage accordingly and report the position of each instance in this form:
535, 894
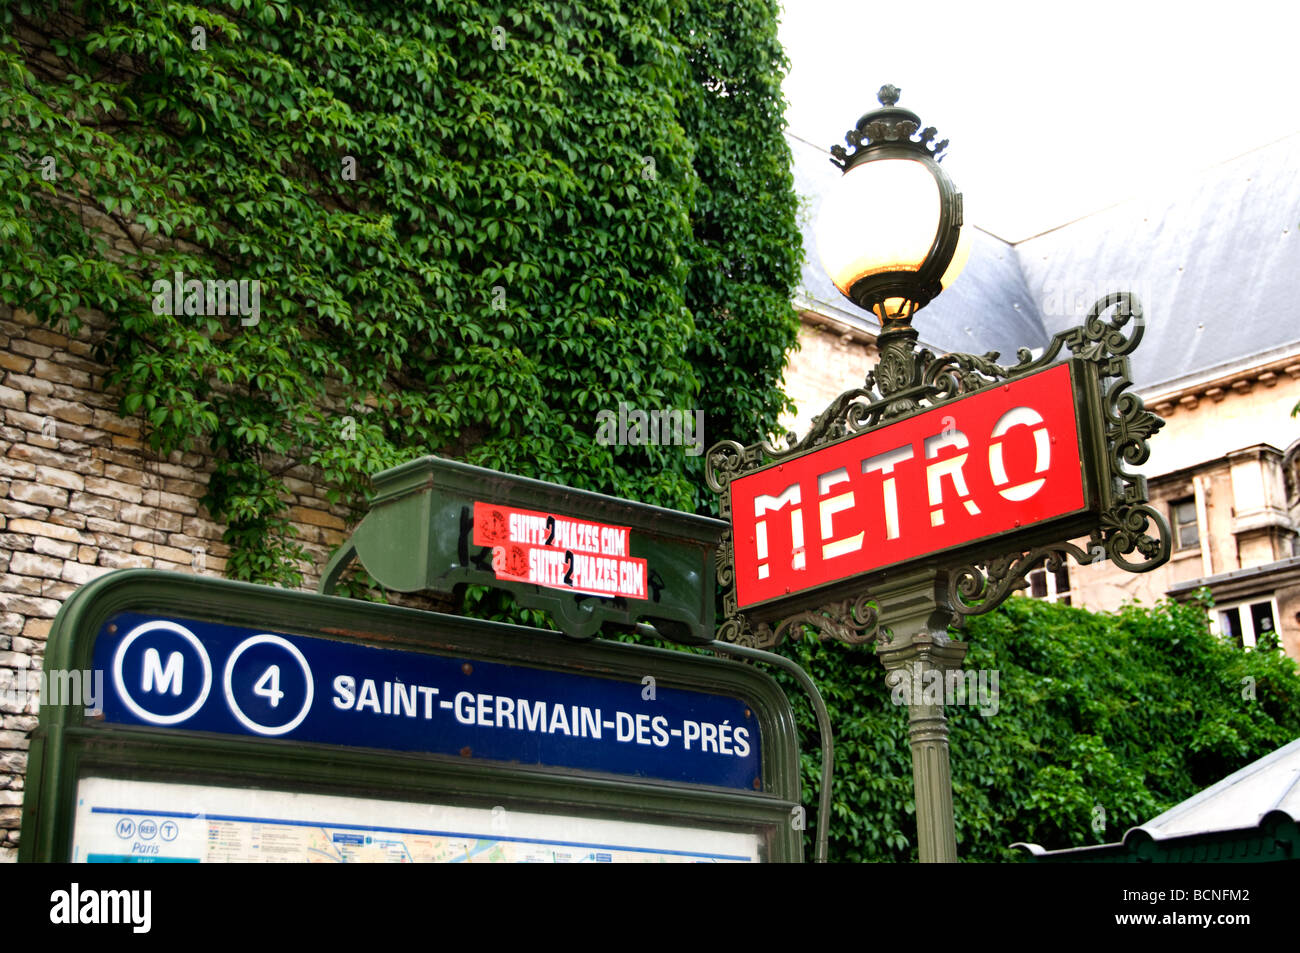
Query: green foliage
1130, 712
555, 208
746, 254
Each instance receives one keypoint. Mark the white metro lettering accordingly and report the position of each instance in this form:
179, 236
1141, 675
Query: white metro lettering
856, 501
1042, 453
386, 698
167, 679
522, 714
885, 463
790, 495
951, 468
829, 507
642, 729
268, 686
718, 739
488, 710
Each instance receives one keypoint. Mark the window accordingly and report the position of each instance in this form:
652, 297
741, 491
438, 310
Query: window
1183, 513
1244, 623
1052, 586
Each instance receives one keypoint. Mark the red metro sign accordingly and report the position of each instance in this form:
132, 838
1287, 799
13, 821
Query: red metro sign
996, 462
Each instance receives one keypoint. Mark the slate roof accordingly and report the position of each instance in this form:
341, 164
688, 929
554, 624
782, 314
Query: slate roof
1214, 259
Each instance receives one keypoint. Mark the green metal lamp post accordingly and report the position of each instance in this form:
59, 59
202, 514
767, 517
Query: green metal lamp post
846, 531
890, 237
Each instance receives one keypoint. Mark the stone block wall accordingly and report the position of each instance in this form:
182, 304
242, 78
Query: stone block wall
81, 495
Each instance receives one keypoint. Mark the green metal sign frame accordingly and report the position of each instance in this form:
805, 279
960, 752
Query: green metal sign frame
419, 536
1114, 427
69, 744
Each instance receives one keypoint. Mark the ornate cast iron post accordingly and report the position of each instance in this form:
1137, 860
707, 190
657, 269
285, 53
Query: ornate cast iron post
906, 605
917, 607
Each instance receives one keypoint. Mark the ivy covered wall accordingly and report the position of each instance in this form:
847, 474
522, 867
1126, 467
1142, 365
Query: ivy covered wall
348, 233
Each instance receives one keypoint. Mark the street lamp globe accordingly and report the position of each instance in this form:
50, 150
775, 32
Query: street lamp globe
889, 232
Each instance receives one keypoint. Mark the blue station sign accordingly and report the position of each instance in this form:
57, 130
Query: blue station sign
185, 674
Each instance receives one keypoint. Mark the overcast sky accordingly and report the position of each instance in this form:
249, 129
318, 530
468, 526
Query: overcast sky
1053, 110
